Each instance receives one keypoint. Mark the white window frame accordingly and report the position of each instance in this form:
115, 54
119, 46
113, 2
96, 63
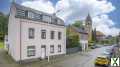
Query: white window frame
31, 51
51, 48
59, 48
31, 33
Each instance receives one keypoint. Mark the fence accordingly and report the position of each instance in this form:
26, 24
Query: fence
73, 50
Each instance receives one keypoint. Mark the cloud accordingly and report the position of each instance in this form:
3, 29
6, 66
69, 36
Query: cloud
71, 10
74, 9
41, 5
98, 9
104, 24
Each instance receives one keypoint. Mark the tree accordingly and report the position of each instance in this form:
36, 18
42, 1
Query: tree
94, 39
72, 37
73, 41
3, 25
78, 24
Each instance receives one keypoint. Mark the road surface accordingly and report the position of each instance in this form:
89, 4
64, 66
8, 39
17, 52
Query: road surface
87, 60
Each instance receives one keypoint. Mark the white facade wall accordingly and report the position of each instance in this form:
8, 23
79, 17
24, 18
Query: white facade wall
38, 41
13, 35
84, 44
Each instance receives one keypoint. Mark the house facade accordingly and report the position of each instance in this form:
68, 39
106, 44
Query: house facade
34, 34
100, 36
83, 39
83, 36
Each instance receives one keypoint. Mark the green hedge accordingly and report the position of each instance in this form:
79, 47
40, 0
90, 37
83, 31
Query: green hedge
73, 41
1, 45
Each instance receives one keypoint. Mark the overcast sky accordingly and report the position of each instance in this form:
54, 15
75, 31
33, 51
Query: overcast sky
105, 13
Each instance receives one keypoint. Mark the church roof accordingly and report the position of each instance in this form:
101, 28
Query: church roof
98, 33
80, 30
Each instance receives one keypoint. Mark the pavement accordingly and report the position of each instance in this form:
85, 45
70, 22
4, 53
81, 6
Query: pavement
80, 59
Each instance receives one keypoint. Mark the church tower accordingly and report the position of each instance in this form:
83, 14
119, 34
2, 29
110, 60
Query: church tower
88, 27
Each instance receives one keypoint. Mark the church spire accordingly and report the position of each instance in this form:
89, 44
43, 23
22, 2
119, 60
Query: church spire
89, 18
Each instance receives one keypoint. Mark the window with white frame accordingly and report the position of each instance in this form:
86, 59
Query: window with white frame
59, 35
31, 51
51, 48
38, 17
43, 34
59, 48
52, 34
31, 33
20, 12
31, 15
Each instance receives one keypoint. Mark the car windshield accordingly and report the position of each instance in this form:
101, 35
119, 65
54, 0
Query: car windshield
101, 58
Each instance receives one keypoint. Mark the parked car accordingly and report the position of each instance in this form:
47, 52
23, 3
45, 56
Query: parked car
95, 46
102, 60
108, 54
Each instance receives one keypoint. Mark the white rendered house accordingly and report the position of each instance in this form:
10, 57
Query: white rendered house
34, 34
83, 39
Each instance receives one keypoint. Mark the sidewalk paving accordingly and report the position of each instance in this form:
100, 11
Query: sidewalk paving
7, 61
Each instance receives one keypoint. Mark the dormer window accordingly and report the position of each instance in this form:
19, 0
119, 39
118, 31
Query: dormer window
20, 12
54, 21
31, 15
38, 16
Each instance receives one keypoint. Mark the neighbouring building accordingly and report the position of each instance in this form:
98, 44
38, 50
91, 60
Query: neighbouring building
83, 39
83, 36
99, 36
84, 32
34, 34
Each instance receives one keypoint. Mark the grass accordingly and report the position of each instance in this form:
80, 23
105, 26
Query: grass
1, 45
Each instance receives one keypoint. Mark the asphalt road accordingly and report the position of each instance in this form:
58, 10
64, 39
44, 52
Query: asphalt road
87, 60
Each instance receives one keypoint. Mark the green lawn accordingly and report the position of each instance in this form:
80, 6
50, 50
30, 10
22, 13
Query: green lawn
1, 45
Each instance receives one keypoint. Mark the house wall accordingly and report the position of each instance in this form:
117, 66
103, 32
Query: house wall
14, 39
84, 44
13, 35
84, 41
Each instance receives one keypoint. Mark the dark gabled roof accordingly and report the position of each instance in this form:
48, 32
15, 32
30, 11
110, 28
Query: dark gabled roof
35, 11
80, 30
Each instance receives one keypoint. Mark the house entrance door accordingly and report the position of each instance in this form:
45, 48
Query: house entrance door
43, 51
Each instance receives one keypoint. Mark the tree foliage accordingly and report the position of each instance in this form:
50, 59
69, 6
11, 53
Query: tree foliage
72, 37
78, 24
3, 25
73, 41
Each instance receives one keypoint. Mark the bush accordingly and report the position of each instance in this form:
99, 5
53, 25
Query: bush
73, 41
